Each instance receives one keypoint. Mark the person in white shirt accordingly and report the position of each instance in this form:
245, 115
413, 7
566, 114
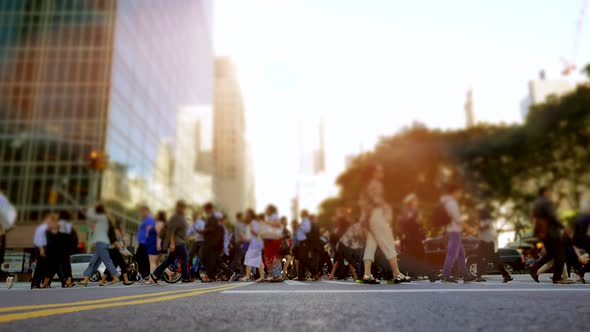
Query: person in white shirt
98, 220
455, 250
40, 241
253, 257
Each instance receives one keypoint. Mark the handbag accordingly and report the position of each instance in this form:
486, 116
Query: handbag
268, 232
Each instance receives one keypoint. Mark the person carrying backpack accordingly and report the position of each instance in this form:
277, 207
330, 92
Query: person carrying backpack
454, 227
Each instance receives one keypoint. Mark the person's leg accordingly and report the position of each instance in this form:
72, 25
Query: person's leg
462, 261
143, 262
558, 252
303, 254
210, 261
288, 262
369, 255
452, 253
92, 267
183, 256
157, 274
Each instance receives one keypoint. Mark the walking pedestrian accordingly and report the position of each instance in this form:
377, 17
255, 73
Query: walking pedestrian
304, 248
378, 216
70, 243
56, 250
98, 220
550, 231
175, 242
253, 257
40, 241
153, 241
240, 238
213, 246
582, 238
455, 249
487, 252
141, 255
118, 253
272, 246
412, 236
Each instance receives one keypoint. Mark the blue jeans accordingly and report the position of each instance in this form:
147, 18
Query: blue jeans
179, 253
101, 254
455, 253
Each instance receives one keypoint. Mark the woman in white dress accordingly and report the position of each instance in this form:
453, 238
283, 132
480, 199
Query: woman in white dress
379, 214
253, 257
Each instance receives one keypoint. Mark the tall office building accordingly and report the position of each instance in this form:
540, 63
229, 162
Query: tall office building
469, 116
313, 183
95, 75
232, 174
541, 89
192, 169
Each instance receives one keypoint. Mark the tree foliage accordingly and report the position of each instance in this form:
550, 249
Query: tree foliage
500, 166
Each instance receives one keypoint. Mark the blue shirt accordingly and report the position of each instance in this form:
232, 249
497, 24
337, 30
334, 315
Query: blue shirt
304, 228
142, 232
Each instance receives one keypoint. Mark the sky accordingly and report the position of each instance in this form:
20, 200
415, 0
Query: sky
373, 67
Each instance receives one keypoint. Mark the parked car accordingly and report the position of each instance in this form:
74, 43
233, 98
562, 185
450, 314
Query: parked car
79, 265
435, 250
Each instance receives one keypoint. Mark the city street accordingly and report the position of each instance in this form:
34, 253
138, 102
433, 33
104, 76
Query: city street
301, 306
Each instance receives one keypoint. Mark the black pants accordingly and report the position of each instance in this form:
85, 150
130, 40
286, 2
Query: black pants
487, 254
237, 264
54, 264
143, 261
40, 270
308, 259
212, 262
556, 251
118, 260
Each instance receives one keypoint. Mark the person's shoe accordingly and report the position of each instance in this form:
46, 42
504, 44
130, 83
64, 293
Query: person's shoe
244, 279
470, 279
234, 277
534, 274
564, 282
507, 279
9, 282
359, 281
432, 278
206, 280
480, 279
150, 280
580, 278
370, 280
449, 280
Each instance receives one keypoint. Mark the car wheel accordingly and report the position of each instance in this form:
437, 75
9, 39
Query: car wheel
95, 277
509, 268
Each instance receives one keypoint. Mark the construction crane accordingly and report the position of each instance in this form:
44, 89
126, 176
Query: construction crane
570, 64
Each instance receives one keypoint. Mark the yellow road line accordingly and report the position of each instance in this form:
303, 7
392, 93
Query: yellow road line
110, 299
59, 311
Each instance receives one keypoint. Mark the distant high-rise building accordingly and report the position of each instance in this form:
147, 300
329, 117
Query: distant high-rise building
230, 151
312, 181
469, 116
542, 89
193, 134
106, 76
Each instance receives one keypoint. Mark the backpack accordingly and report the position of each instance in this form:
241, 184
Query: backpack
440, 216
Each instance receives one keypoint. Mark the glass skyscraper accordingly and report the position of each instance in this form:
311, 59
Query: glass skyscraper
78, 76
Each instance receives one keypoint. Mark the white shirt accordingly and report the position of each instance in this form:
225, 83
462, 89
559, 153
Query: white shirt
40, 240
65, 227
198, 226
452, 206
101, 226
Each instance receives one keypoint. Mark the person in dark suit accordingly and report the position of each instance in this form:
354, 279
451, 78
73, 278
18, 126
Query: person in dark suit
550, 231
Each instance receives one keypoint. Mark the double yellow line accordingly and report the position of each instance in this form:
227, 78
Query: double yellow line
43, 310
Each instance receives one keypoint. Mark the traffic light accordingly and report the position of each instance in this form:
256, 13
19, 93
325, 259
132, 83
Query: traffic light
98, 161
53, 197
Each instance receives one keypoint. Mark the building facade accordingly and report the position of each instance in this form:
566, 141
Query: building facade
96, 75
232, 168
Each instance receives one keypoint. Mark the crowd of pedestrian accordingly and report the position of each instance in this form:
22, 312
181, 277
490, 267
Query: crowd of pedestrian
204, 246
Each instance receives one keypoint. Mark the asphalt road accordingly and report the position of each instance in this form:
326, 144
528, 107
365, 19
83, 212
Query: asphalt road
300, 306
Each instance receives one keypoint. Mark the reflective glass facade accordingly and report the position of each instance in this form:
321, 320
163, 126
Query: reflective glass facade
97, 75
